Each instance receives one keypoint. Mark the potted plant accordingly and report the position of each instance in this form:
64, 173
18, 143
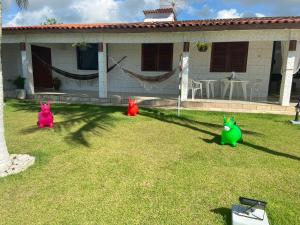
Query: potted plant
81, 45
56, 83
202, 46
20, 85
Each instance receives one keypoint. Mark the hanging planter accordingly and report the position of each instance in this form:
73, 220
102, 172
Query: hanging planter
202, 46
81, 45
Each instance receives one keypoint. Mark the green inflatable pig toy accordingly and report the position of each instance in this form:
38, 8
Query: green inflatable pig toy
231, 134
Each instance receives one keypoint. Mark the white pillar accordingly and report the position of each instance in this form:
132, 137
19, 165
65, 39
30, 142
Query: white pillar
185, 72
27, 72
102, 70
287, 77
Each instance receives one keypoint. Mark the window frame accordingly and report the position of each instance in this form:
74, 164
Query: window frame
158, 66
229, 58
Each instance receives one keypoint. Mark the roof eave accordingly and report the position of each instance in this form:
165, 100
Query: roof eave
159, 29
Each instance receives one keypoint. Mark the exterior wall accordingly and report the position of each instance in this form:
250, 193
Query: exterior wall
120, 82
11, 67
258, 67
64, 57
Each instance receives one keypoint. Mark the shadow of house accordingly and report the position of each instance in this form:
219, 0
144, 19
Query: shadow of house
198, 126
187, 122
96, 119
217, 140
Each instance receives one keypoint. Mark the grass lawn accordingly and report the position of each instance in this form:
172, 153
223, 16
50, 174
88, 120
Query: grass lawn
98, 166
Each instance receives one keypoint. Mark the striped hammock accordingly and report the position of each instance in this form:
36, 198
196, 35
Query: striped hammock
74, 75
150, 79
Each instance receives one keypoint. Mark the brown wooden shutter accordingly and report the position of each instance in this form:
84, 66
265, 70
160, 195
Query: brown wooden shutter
165, 57
149, 57
229, 56
238, 56
157, 57
218, 57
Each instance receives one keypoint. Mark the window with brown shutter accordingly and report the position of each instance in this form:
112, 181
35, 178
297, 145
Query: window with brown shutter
229, 56
157, 57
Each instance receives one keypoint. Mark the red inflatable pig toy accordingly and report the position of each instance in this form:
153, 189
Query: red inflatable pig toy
45, 117
133, 109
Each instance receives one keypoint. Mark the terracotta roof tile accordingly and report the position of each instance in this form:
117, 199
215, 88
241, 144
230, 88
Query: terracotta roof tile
212, 24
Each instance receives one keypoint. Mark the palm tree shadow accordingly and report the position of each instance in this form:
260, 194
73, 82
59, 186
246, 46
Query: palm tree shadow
225, 213
79, 120
195, 125
89, 123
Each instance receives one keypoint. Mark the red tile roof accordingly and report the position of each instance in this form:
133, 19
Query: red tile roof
193, 25
161, 10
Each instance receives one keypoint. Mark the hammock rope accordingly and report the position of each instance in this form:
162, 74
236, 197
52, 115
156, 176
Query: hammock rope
179, 86
74, 75
150, 79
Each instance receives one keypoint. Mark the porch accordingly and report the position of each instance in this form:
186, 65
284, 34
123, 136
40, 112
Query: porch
115, 86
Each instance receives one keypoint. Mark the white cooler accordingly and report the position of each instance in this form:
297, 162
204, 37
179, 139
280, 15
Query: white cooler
243, 215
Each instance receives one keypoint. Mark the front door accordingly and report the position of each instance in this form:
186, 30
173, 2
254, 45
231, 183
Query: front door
42, 74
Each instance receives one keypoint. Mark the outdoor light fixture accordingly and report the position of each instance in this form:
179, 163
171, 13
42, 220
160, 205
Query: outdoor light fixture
297, 108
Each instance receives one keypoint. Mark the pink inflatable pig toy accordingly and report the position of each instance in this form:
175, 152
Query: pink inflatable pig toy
45, 117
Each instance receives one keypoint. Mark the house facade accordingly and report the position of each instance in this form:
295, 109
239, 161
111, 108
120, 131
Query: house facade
256, 49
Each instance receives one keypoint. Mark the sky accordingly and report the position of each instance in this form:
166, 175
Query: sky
96, 11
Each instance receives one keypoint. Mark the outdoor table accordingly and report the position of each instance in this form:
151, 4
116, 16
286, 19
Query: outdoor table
209, 85
232, 83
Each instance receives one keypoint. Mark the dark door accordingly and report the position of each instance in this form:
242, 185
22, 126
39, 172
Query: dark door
42, 74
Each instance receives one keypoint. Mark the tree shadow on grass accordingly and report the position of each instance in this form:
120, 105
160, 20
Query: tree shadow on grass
195, 125
89, 123
225, 213
87, 119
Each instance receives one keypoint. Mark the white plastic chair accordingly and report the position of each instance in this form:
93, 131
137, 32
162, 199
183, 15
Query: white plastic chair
255, 87
195, 86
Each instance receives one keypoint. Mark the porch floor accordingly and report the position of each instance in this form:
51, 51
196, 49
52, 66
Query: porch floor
167, 101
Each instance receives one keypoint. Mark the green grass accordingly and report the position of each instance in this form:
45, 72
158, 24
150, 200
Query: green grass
98, 166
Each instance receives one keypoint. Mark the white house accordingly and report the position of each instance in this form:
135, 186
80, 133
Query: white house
258, 50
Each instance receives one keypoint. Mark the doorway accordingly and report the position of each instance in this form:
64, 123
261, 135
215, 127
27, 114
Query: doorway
42, 74
275, 77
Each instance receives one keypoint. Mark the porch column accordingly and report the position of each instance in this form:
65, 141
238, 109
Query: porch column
27, 72
287, 76
185, 72
102, 63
